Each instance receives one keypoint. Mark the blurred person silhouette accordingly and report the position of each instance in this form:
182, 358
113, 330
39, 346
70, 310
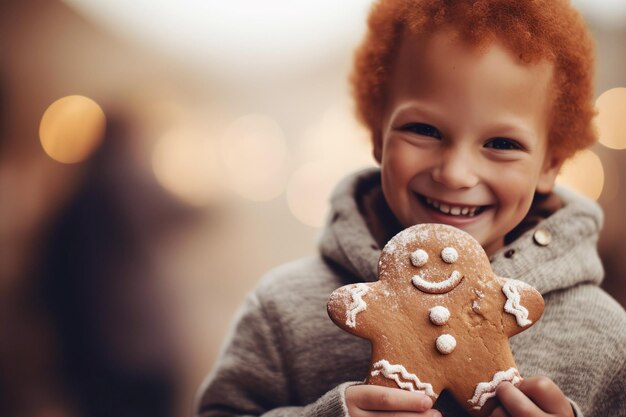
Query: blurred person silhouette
87, 331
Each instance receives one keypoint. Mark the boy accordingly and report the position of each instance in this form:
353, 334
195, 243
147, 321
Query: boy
473, 106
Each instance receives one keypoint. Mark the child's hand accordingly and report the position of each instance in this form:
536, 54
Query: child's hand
374, 400
536, 396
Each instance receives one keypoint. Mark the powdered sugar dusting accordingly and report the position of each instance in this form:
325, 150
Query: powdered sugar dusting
414, 236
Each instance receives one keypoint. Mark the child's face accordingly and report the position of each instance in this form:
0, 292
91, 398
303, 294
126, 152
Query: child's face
464, 137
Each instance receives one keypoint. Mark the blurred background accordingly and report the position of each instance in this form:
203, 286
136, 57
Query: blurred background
157, 157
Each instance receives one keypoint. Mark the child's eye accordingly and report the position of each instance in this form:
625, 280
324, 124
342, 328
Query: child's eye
422, 129
503, 144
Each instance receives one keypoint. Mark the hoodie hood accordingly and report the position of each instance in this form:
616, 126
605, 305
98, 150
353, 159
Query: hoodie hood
346, 240
360, 223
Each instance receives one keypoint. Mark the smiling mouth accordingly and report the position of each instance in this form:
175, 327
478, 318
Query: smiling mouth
452, 209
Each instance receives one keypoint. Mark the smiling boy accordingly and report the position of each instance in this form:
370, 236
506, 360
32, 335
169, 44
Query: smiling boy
473, 106
464, 137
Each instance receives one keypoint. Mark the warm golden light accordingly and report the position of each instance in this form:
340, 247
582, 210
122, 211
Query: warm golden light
584, 173
335, 146
71, 129
254, 153
611, 118
337, 135
185, 163
309, 190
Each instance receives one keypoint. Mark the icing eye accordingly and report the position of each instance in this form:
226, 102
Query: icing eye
449, 255
419, 257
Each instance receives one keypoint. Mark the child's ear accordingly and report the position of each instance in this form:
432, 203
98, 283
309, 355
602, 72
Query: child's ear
548, 175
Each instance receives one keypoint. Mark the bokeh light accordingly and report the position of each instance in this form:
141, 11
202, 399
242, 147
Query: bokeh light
337, 135
584, 173
309, 190
611, 118
333, 147
254, 156
611, 187
71, 129
185, 162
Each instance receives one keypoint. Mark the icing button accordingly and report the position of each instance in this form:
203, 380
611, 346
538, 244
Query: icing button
542, 237
445, 344
439, 315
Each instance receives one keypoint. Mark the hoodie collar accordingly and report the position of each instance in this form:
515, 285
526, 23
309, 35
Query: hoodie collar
568, 257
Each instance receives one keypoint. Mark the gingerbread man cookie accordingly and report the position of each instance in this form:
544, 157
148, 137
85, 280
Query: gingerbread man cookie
438, 318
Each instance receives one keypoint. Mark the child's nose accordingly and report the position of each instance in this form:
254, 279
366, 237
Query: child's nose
455, 170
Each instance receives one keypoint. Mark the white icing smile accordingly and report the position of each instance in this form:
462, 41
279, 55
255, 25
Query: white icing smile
454, 210
438, 287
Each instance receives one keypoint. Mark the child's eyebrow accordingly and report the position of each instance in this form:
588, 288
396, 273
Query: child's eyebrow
417, 108
513, 127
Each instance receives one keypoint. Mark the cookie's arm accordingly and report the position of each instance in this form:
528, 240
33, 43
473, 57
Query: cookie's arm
347, 304
522, 305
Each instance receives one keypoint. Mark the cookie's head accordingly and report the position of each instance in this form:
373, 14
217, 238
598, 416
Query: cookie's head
435, 257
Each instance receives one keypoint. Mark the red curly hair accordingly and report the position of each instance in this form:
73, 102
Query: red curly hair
534, 30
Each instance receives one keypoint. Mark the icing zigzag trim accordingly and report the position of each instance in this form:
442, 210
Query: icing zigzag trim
486, 390
403, 378
357, 305
513, 305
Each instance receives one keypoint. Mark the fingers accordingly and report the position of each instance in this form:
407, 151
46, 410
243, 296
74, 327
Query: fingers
547, 395
377, 401
377, 398
515, 402
534, 396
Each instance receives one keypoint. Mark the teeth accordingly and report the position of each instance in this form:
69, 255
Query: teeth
452, 210
433, 203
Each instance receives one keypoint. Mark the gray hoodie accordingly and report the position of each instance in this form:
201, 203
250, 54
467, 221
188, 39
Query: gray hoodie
284, 357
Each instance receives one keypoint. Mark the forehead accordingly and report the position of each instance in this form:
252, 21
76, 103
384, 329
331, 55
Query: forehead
424, 63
